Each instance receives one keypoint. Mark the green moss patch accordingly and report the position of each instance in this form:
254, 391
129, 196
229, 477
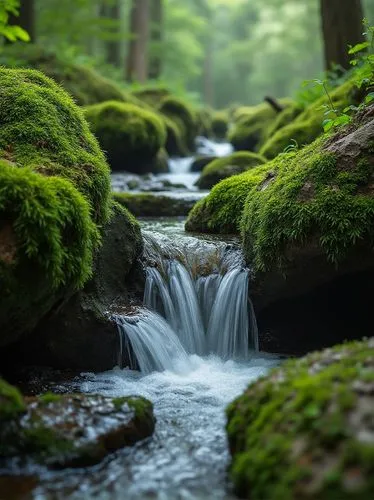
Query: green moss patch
130, 136
220, 125
306, 430
221, 168
183, 115
11, 402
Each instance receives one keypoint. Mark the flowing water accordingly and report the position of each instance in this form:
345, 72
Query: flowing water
195, 343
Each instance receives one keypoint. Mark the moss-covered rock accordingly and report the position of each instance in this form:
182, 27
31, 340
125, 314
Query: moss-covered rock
220, 212
201, 161
228, 166
153, 205
183, 115
204, 117
130, 136
282, 119
307, 126
151, 95
54, 192
175, 141
83, 323
251, 124
83, 83
11, 402
220, 125
74, 430
306, 430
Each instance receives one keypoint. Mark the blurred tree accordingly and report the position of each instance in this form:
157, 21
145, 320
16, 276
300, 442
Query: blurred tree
24, 17
111, 10
341, 27
137, 59
157, 26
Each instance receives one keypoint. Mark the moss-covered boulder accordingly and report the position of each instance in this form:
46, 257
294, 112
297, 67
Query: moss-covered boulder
80, 334
250, 125
11, 402
221, 211
306, 430
184, 116
72, 430
54, 194
202, 161
228, 166
285, 117
151, 95
130, 136
307, 125
154, 205
83, 83
204, 117
220, 125
175, 141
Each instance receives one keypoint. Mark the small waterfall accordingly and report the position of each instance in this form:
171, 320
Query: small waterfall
195, 302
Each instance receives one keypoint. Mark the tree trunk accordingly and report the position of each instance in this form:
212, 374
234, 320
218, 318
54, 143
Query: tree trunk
208, 74
113, 47
341, 26
137, 60
157, 18
26, 18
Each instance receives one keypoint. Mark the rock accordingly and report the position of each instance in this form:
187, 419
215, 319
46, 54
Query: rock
204, 117
221, 168
73, 430
220, 125
131, 136
307, 231
183, 115
78, 333
154, 205
201, 161
54, 197
306, 430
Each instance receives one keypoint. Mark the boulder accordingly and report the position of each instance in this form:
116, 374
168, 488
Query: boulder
54, 197
79, 333
184, 116
201, 161
220, 125
131, 136
154, 205
306, 430
71, 430
221, 168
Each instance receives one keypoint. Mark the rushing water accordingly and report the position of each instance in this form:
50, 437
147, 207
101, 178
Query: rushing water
195, 343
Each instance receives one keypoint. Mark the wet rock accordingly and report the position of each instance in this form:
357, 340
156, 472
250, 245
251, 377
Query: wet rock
152, 205
74, 430
307, 429
79, 333
201, 161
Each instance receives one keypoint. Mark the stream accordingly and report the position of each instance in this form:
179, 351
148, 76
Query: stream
195, 341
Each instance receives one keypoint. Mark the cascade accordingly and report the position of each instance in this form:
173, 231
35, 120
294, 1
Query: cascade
195, 303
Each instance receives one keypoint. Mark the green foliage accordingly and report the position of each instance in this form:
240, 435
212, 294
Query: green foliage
309, 196
220, 125
11, 402
302, 425
221, 168
204, 119
11, 32
130, 135
220, 212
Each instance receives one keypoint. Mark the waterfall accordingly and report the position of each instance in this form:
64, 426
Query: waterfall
195, 302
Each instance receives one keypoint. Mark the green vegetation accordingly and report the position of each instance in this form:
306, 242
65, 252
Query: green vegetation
11, 402
220, 212
221, 168
204, 117
131, 136
55, 188
299, 432
183, 115
220, 125
153, 205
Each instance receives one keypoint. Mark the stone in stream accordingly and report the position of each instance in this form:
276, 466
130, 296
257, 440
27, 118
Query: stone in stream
72, 430
153, 205
306, 220
307, 429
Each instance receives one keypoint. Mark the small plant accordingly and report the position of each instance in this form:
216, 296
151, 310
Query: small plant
11, 33
293, 147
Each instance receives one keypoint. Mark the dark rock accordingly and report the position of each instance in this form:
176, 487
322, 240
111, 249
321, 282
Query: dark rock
201, 161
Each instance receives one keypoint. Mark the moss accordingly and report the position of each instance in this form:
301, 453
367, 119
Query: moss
151, 205
220, 125
151, 95
49, 397
175, 142
83, 83
131, 136
227, 166
54, 194
183, 115
142, 407
284, 118
204, 117
308, 125
303, 431
220, 212
11, 402
310, 196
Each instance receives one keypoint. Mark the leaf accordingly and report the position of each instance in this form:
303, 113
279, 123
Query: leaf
358, 47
